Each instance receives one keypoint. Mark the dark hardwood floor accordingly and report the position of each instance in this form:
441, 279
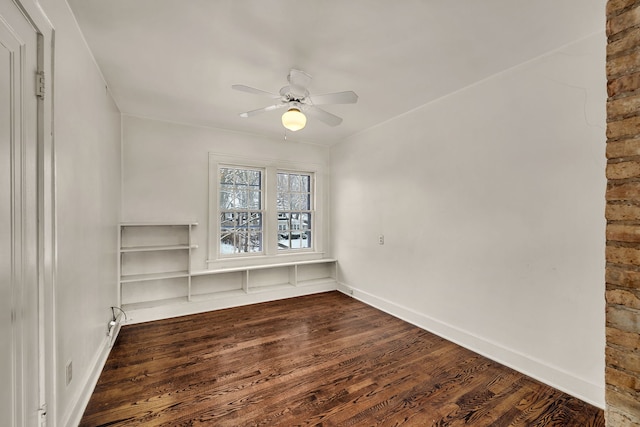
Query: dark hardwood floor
324, 359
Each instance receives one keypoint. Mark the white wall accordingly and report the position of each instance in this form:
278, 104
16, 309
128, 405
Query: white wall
166, 170
491, 202
87, 207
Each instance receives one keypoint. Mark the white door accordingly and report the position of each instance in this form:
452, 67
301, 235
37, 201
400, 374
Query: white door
19, 370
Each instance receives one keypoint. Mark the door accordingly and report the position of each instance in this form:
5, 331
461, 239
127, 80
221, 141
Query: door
19, 368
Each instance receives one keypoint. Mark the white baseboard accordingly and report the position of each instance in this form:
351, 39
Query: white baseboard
557, 378
81, 399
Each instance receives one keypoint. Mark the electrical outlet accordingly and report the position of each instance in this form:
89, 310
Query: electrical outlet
381, 239
69, 372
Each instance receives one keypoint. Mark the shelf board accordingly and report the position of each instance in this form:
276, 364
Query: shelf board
153, 276
156, 224
221, 271
153, 304
263, 267
316, 261
319, 281
156, 248
216, 295
267, 288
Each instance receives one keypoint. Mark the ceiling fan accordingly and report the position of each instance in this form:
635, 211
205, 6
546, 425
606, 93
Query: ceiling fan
296, 99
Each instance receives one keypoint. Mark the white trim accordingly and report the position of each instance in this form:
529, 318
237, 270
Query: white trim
73, 416
46, 236
537, 369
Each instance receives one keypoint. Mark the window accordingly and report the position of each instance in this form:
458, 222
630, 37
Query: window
294, 203
240, 210
264, 211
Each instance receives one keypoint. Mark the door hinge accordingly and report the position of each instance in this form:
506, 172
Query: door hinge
40, 84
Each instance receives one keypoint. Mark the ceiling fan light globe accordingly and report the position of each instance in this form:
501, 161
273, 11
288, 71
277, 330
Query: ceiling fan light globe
294, 119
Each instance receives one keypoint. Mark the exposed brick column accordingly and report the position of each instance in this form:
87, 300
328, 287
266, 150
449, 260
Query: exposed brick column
623, 214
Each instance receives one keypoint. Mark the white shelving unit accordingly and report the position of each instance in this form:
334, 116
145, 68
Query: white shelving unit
154, 263
235, 281
156, 279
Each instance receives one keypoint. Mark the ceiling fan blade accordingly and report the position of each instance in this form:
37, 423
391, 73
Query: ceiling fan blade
299, 81
249, 89
322, 115
348, 97
263, 110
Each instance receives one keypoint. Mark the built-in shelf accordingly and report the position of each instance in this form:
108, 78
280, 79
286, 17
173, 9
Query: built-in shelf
157, 248
152, 276
156, 279
312, 282
154, 263
260, 278
155, 303
156, 224
217, 295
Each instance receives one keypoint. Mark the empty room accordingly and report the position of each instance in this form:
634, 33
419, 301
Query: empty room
286, 212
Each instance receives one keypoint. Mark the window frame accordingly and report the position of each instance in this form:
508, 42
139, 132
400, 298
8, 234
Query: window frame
248, 210
310, 211
270, 253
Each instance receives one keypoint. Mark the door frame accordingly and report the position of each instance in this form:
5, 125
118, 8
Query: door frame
46, 213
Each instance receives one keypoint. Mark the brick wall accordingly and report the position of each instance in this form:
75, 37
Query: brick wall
623, 214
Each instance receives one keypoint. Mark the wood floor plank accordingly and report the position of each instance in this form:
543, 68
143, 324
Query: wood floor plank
322, 360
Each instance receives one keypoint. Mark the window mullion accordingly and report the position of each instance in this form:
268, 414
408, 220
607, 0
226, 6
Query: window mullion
270, 211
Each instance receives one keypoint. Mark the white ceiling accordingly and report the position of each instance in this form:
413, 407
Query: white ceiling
177, 59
